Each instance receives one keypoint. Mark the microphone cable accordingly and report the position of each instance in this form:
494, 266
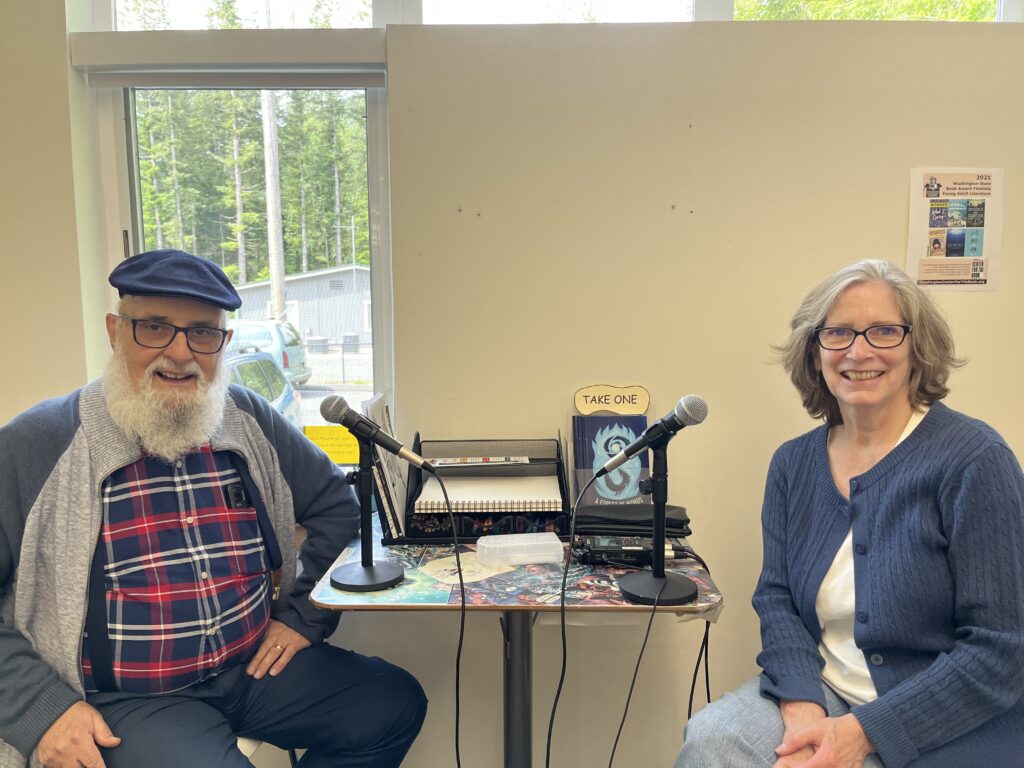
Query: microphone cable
704, 652
689, 552
462, 620
636, 670
561, 611
705, 645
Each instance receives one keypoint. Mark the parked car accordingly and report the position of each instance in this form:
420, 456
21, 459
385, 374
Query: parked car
259, 372
280, 340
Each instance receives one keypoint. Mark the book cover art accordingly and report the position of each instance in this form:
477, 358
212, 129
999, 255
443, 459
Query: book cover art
596, 439
975, 213
955, 242
936, 242
938, 211
974, 243
956, 214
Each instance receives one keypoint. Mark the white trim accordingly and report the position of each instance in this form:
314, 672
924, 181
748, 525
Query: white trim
226, 80
713, 10
289, 54
397, 12
378, 173
1010, 10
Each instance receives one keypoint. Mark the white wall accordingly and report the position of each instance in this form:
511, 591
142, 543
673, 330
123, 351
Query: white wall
573, 205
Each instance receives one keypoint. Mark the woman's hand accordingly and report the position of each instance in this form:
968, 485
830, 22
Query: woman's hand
796, 715
836, 742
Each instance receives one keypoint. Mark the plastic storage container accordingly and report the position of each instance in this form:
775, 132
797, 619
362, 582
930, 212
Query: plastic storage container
519, 549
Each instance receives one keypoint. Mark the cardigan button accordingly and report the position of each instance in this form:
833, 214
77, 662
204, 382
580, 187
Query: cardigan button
860, 549
862, 617
877, 659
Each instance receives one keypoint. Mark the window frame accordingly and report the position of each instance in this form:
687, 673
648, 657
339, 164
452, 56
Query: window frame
117, 62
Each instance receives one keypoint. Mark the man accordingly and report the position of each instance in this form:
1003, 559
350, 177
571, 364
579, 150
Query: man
149, 605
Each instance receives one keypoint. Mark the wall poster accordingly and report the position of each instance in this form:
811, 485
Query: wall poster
955, 237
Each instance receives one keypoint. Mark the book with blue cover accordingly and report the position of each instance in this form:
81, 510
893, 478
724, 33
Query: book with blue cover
598, 438
955, 242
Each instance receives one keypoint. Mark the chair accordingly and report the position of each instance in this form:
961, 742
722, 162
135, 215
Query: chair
249, 746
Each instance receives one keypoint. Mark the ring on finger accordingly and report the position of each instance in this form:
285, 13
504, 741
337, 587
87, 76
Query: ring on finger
279, 646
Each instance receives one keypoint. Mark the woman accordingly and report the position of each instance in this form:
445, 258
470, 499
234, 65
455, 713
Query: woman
891, 597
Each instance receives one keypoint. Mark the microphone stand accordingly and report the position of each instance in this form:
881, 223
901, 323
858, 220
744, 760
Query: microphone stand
644, 586
365, 576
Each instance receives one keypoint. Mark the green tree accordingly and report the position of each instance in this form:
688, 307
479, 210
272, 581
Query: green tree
888, 10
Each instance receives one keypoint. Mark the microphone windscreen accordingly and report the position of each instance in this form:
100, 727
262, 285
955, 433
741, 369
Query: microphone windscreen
691, 410
333, 407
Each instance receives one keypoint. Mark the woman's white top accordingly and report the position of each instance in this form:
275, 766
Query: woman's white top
846, 670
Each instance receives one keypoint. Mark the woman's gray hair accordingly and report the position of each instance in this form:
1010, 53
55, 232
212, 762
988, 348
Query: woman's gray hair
932, 353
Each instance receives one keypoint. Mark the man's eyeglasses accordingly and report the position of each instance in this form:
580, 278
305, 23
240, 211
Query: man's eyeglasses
879, 336
157, 335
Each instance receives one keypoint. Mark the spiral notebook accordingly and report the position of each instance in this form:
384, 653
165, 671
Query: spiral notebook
491, 494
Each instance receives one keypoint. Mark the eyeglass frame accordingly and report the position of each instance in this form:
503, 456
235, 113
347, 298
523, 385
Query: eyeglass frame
907, 328
177, 329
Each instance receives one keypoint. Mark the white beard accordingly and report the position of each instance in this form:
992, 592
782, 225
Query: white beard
168, 425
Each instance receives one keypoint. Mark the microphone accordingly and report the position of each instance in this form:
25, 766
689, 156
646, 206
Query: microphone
689, 411
335, 410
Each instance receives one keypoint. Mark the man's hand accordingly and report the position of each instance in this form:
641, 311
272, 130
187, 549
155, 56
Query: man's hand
73, 738
279, 646
797, 715
838, 742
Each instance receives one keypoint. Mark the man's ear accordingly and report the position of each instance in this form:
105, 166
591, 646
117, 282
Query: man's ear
112, 328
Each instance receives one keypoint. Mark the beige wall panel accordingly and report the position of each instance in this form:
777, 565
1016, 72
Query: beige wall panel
646, 205
40, 291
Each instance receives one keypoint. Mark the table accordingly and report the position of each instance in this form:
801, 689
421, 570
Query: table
518, 593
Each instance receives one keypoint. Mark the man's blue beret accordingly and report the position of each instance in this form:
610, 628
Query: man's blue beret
175, 273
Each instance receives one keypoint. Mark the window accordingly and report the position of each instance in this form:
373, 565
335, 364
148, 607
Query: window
876, 10
341, 14
215, 169
275, 379
250, 375
242, 14
555, 11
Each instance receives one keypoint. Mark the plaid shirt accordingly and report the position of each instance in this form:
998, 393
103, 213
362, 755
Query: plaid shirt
185, 573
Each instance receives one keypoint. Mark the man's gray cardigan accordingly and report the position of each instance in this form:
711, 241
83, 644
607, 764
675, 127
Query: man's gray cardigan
53, 461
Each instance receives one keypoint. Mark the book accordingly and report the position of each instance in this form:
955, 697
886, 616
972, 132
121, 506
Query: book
596, 439
956, 213
955, 242
974, 243
938, 212
389, 481
975, 213
390, 523
491, 494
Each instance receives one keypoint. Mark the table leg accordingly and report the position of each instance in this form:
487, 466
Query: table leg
517, 626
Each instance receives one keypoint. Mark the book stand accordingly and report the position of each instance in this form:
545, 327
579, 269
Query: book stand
645, 587
493, 516
366, 575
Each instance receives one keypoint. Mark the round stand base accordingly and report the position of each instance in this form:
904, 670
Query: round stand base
356, 577
643, 588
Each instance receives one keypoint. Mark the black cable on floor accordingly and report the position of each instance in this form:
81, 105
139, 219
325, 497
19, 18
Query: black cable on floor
561, 611
636, 670
696, 671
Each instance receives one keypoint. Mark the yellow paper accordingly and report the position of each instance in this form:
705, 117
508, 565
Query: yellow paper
620, 400
336, 441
